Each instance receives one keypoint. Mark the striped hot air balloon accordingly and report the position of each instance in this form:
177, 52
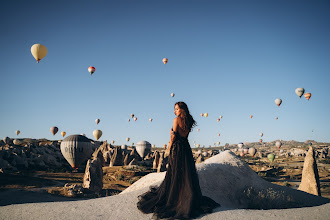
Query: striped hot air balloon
308, 95
76, 149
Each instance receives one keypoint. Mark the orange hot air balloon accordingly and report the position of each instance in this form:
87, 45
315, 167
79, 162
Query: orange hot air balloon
198, 129
165, 60
218, 119
219, 134
308, 95
202, 114
260, 140
251, 116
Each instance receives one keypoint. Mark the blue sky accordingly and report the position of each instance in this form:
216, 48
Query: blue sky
229, 58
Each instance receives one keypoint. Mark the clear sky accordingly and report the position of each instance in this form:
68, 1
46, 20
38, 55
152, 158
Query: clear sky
229, 58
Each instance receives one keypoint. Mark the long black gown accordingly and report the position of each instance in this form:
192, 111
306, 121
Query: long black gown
179, 196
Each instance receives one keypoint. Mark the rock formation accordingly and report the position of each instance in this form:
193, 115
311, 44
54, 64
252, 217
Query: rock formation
156, 160
162, 163
200, 159
117, 158
310, 182
93, 177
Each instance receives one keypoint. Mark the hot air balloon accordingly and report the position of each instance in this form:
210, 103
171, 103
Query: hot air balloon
172, 94
202, 114
143, 148
127, 139
278, 144
252, 151
17, 142
132, 115
219, 134
91, 70
38, 51
17, 132
150, 119
129, 120
164, 146
124, 147
300, 91
221, 116
135, 118
278, 102
165, 60
261, 134
260, 140
308, 95
276, 118
218, 142
245, 150
63, 133
113, 142
218, 119
54, 130
6, 140
76, 149
251, 116
240, 145
197, 129
97, 121
271, 157
206, 114
97, 134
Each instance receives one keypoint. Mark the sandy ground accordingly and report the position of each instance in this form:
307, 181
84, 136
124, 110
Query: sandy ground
123, 206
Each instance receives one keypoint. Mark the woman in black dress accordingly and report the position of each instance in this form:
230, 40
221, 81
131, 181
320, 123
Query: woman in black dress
179, 196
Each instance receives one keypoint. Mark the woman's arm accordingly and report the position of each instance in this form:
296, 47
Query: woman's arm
173, 130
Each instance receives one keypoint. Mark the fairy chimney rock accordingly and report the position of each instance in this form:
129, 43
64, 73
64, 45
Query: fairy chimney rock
310, 182
93, 177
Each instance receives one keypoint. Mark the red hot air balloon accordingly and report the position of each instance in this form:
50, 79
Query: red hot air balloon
251, 116
91, 70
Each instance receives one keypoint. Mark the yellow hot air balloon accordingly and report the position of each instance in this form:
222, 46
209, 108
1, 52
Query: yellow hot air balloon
38, 51
63, 133
97, 134
206, 114
165, 60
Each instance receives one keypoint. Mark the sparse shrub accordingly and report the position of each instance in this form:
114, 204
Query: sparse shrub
262, 174
120, 177
286, 183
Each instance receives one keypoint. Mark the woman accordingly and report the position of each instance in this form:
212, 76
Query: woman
179, 195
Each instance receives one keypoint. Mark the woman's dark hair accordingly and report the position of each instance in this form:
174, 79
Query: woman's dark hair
188, 120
